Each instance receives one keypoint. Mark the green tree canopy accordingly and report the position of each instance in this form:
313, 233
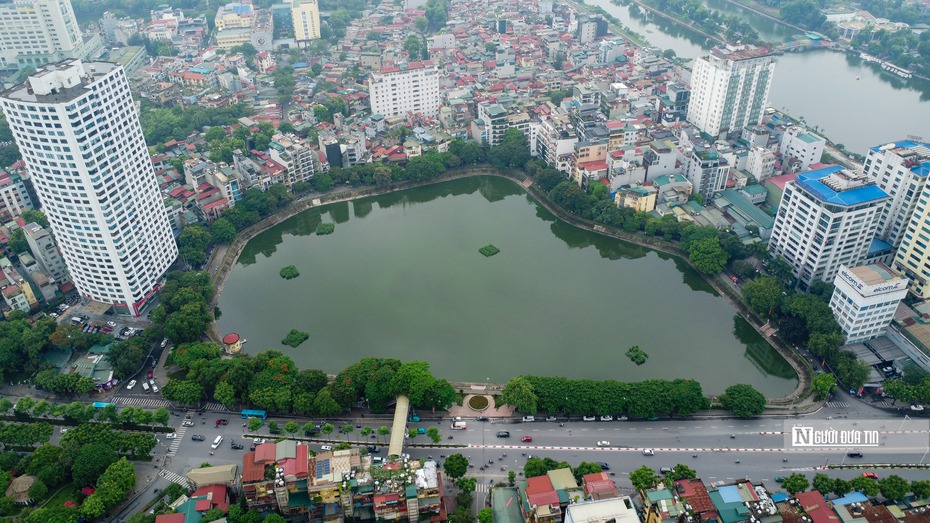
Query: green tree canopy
743, 400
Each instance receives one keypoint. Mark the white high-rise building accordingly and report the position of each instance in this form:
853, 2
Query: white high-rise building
35, 32
827, 218
865, 299
78, 131
729, 88
305, 15
901, 170
405, 88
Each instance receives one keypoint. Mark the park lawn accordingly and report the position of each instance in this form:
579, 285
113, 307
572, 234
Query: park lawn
68, 492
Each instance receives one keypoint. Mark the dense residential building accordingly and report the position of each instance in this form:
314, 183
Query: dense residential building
865, 299
45, 251
827, 218
801, 148
98, 188
707, 170
729, 88
35, 32
16, 291
305, 15
296, 155
405, 88
14, 197
901, 170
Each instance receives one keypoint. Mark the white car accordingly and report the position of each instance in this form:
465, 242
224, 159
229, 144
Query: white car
111, 324
588, 418
648, 452
622, 418
63, 430
917, 408
258, 441
187, 423
325, 448
171, 436
131, 384
604, 443
155, 388
607, 418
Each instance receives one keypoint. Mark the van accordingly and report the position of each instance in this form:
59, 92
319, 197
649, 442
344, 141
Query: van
217, 442
528, 419
377, 459
458, 425
145, 387
76, 320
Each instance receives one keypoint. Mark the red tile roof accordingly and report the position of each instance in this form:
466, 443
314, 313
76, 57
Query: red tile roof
695, 493
170, 518
265, 453
251, 471
539, 484
816, 507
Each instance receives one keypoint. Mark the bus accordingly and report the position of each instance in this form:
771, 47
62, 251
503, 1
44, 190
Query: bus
101, 404
260, 414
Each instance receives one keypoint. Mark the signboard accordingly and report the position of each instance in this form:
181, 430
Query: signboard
871, 290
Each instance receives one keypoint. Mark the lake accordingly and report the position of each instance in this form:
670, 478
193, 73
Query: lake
402, 277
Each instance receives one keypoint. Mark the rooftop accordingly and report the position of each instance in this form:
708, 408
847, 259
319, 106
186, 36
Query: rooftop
839, 186
740, 52
59, 83
875, 273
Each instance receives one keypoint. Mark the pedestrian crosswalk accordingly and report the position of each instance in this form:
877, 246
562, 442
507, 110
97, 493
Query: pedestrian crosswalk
483, 487
140, 402
214, 406
174, 477
176, 442
837, 404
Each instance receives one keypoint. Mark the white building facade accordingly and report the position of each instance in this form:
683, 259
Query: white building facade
865, 299
827, 218
45, 251
730, 88
405, 88
804, 147
77, 128
33, 32
901, 170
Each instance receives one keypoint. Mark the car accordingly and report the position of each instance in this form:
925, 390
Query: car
854, 454
373, 449
63, 430
648, 452
258, 441
237, 446
870, 475
252, 448
529, 419
917, 408
482, 418
779, 479
604, 466
603, 443
550, 418
526, 439
111, 324
588, 418
131, 384
413, 418
150, 375
53, 315
198, 437
222, 422
311, 432
421, 430
187, 423
607, 418
622, 418
325, 448
155, 389
665, 470
164, 343
274, 430
171, 436
503, 434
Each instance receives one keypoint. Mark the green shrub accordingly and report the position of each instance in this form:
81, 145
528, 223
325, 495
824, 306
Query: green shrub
289, 273
325, 228
637, 355
478, 402
489, 250
295, 338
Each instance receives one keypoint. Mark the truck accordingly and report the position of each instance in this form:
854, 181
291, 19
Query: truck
458, 425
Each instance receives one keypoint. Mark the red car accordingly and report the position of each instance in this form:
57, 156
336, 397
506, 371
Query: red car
149, 375
221, 422
870, 475
526, 439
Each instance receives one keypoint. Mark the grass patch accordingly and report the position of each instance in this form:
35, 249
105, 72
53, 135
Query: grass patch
289, 273
637, 355
68, 492
295, 338
478, 402
489, 250
325, 228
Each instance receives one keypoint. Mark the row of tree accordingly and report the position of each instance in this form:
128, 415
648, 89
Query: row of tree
644, 399
891, 487
160, 125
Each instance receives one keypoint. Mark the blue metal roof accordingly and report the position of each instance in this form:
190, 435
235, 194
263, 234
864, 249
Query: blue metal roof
852, 497
878, 245
811, 182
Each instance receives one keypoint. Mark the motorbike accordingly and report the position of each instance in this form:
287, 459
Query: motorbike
211, 452
737, 461
693, 455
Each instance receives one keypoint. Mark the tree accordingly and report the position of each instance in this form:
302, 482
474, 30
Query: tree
347, 429
291, 427
327, 429
795, 483
38, 490
455, 466
644, 478
174, 491
91, 462
520, 394
161, 416
680, 471
192, 244
225, 394
584, 468
893, 487
763, 295
823, 384
222, 231
921, 488
214, 514
511, 478
467, 485
841, 487
486, 515
383, 431
185, 392
254, 424
867, 486
743, 400
433, 434
707, 255
540, 466
822, 483
275, 518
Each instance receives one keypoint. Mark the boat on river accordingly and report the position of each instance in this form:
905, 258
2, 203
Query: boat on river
895, 70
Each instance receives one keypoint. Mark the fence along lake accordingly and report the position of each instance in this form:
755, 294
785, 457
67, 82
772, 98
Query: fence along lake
402, 277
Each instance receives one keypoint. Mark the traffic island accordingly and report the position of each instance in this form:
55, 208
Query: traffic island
479, 403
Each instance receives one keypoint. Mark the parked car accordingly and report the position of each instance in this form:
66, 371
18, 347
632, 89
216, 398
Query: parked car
413, 418
604, 466
237, 446
150, 375
503, 434
326, 448
111, 324
870, 475
665, 470
622, 418
529, 419
222, 422
648, 452
917, 408
526, 439
482, 418
155, 389
603, 443
131, 384
258, 441
607, 418
373, 450
551, 418
197, 437
311, 431
421, 430
589, 418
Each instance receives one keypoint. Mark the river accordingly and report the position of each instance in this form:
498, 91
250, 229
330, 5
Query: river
402, 277
820, 86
